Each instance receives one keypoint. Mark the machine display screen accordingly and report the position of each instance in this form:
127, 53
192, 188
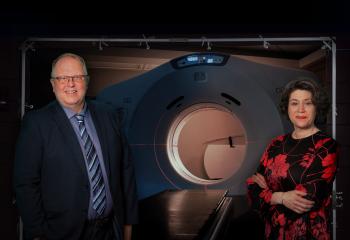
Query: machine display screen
200, 59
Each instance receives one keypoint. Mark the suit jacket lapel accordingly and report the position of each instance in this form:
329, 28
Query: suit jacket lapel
70, 137
101, 133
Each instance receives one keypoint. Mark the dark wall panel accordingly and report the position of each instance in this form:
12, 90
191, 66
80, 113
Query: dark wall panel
343, 136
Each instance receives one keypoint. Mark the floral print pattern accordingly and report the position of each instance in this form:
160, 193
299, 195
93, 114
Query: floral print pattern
307, 165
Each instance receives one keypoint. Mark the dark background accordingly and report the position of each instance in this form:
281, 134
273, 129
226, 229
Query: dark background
177, 19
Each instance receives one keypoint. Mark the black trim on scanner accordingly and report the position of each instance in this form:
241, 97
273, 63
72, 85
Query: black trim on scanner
176, 100
229, 97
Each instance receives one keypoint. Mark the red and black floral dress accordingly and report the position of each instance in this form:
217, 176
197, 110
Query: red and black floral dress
308, 165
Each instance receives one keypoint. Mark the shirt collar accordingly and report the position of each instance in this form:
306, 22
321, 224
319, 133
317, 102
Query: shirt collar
71, 113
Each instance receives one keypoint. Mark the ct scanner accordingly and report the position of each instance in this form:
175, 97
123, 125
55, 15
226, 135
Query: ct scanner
200, 121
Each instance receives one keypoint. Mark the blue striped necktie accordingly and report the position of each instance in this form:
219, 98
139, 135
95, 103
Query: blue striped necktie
94, 168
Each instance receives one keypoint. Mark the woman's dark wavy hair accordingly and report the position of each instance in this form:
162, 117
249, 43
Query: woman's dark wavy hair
319, 96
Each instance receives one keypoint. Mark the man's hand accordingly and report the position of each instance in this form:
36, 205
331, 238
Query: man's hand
127, 232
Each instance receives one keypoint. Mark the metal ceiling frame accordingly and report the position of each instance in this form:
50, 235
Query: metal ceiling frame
328, 42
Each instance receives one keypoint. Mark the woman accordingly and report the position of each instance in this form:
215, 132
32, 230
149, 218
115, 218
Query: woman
293, 184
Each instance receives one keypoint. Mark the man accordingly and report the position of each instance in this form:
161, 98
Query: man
73, 176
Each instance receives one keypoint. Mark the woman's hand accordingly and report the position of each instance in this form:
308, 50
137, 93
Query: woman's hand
260, 180
295, 201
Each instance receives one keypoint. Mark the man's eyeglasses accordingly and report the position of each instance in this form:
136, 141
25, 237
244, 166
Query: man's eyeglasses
75, 79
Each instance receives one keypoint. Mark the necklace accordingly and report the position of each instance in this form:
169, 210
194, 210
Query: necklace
312, 131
